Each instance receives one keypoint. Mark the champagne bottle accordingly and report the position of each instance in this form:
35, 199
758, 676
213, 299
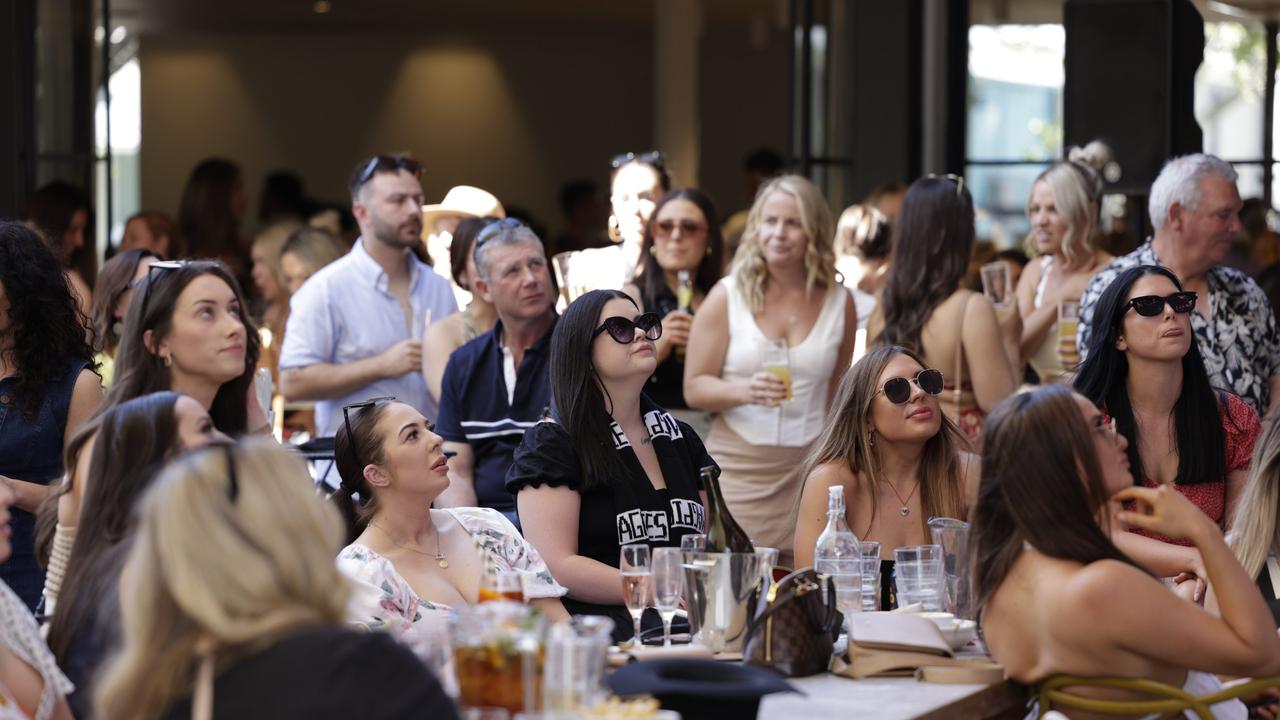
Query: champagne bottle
723, 533
684, 301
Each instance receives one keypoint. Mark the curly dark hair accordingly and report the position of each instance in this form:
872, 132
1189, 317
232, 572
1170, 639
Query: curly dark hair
46, 334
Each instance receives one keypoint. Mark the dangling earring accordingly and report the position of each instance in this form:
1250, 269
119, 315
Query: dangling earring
653, 251
614, 233
871, 438
117, 328
168, 360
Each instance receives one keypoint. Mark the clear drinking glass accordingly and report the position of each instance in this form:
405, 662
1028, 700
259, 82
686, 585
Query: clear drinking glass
870, 575
917, 574
637, 577
995, 285
694, 542
768, 561
668, 583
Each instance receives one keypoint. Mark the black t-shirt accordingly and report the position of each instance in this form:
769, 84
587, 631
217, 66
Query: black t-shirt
666, 384
328, 672
623, 510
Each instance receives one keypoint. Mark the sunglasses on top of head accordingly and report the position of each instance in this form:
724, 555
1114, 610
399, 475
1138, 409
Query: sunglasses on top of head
623, 330
1152, 305
898, 389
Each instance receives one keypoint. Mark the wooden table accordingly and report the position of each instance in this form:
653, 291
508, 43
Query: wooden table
898, 698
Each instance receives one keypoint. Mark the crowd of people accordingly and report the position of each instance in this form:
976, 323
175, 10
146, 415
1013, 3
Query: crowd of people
184, 562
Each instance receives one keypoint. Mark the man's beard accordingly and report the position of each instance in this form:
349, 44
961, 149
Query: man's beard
394, 234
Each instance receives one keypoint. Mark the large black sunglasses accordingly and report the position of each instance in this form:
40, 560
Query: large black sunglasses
346, 421
898, 389
386, 163
1152, 305
623, 330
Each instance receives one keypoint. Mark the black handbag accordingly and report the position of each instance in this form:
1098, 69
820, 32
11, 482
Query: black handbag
795, 630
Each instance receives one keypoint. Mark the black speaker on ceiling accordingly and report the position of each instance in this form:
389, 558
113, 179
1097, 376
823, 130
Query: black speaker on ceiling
1130, 73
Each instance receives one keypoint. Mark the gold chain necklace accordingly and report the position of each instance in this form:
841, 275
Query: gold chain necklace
441, 560
905, 511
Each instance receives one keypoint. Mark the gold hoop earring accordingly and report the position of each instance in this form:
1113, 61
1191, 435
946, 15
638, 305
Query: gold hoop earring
168, 360
653, 251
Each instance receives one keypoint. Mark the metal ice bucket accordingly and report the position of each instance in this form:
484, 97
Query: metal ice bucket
719, 589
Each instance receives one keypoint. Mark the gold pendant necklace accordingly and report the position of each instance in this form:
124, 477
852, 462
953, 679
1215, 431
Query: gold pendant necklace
905, 511
441, 560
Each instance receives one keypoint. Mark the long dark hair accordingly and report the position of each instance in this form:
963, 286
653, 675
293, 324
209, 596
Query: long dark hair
51, 208
140, 371
652, 279
578, 397
1197, 415
47, 332
132, 441
1041, 484
113, 280
205, 215
464, 238
932, 244
369, 446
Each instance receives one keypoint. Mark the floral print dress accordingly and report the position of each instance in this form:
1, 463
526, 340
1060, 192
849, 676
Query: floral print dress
382, 600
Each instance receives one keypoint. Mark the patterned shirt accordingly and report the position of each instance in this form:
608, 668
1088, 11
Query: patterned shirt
383, 600
1238, 340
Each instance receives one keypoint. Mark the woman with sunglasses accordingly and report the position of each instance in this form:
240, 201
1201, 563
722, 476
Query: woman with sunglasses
886, 430
924, 306
233, 608
409, 563
188, 331
1055, 592
1145, 371
681, 240
47, 388
780, 307
609, 467
116, 281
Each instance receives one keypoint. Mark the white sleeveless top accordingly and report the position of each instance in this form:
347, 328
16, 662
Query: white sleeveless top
795, 422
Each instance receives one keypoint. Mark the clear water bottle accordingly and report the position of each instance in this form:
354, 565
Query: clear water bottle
838, 554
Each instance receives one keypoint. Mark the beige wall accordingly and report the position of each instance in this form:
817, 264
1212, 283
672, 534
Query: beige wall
516, 113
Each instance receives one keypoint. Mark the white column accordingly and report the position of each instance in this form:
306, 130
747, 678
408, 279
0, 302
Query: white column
676, 28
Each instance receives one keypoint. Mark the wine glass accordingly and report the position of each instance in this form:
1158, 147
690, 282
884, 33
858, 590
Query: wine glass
637, 576
668, 583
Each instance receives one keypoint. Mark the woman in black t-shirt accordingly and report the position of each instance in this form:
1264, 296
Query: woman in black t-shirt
611, 468
683, 234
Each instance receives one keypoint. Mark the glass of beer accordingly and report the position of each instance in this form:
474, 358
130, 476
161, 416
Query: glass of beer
995, 285
777, 362
501, 585
1068, 326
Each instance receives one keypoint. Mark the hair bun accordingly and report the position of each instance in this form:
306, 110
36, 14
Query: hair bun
1097, 163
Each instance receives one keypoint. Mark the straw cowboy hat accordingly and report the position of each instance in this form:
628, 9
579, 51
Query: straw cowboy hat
461, 201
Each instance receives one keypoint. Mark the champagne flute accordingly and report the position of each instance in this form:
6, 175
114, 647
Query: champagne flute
637, 577
668, 583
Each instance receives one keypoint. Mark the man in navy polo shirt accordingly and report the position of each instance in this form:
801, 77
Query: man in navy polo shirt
497, 386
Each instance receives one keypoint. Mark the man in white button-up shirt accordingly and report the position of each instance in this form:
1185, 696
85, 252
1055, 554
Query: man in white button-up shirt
355, 327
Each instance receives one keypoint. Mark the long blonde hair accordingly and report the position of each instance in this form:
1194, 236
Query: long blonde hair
1254, 533
1076, 184
231, 565
848, 439
750, 271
